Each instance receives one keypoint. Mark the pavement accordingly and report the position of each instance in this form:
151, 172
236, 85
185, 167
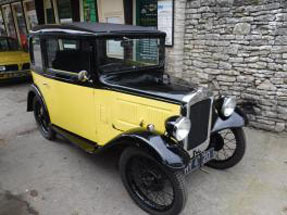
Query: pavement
56, 178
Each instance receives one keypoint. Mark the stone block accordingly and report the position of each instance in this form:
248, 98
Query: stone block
212, 71
242, 29
226, 78
224, 65
267, 85
245, 78
236, 60
279, 127
281, 17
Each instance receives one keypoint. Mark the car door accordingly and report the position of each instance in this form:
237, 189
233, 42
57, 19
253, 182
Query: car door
72, 107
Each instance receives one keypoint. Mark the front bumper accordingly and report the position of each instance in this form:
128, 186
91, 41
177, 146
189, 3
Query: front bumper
15, 74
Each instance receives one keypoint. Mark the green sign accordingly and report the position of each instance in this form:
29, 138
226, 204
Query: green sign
90, 11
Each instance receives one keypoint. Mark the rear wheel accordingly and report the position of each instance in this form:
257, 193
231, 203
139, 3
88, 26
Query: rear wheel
229, 146
152, 186
42, 119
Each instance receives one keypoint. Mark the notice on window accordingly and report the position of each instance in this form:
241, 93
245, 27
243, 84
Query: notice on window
165, 19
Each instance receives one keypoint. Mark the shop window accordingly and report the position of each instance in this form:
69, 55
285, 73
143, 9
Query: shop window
64, 11
67, 55
30, 14
9, 22
20, 23
2, 26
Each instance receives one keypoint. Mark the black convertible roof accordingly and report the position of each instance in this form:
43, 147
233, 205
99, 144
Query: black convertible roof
96, 29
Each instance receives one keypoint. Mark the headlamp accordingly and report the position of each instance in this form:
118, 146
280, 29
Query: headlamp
178, 127
228, 106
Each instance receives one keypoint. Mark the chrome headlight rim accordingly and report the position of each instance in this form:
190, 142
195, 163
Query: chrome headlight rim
178, 127
228, 106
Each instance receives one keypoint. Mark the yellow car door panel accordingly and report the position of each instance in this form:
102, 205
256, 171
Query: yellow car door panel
118, 112
70, 106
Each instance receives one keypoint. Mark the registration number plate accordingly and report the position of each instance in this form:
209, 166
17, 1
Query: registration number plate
199, 160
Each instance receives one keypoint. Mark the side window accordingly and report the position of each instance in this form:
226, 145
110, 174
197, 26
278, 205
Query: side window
67, 55
36, 55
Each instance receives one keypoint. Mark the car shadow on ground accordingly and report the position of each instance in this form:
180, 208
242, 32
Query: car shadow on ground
107, 159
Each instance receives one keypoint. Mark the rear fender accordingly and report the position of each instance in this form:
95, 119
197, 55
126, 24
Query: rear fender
35, 92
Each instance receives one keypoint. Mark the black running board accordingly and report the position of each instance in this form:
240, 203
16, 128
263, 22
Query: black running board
86, 145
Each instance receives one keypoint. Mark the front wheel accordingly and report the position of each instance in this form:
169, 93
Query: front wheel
152, 186
229, 146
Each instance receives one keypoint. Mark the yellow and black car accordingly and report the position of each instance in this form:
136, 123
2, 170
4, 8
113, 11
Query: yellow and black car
103, 86
14, 62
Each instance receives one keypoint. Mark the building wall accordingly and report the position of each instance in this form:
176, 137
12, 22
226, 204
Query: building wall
175, 55
239, 47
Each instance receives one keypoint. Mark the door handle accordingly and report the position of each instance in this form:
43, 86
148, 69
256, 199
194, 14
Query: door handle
45, 84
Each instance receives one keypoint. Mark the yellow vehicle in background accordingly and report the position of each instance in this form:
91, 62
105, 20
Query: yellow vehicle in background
14, 62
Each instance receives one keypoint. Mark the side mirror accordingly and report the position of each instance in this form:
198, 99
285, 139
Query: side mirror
83, 76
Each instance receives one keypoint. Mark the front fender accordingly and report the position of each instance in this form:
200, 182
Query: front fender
164, 149
236, 120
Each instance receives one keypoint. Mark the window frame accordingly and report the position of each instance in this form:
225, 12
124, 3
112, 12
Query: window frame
64, 75
32, 56
161, 64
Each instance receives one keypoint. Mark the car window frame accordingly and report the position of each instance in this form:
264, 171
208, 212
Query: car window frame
35, 68
162, 56
63, 75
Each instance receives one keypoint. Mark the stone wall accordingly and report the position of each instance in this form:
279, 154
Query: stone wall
239, 47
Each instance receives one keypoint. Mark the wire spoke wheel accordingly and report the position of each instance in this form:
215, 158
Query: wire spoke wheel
229, 146
150, 183
153, 186
42, 119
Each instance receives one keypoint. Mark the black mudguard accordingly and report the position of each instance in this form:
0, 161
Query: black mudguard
164, 149
34, 91
237, 120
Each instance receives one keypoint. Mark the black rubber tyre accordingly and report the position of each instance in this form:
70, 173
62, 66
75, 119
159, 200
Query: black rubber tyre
129, 157
43, 120
238, 152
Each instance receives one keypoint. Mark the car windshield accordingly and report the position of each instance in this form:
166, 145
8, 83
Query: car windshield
126, 54
8, 44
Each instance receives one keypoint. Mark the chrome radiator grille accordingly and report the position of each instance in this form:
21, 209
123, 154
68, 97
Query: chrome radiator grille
199, 115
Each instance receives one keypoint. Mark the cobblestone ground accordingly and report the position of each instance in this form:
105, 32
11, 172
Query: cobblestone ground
42, 177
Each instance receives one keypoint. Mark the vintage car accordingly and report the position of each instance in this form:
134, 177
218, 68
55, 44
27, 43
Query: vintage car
103, 86
14, 62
